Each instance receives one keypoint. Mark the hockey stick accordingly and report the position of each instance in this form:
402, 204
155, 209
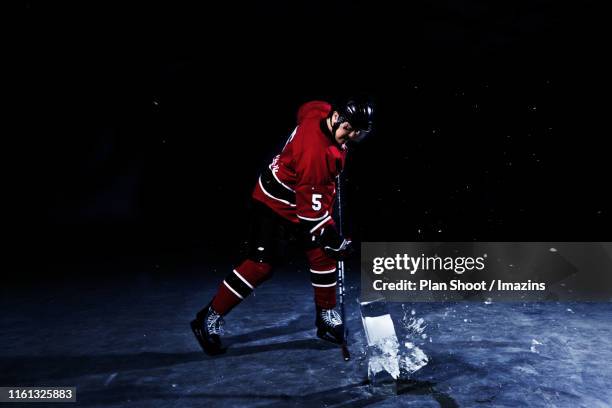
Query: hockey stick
345, 352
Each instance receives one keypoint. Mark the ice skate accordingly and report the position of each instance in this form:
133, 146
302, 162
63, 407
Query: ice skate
208, 327
329, 325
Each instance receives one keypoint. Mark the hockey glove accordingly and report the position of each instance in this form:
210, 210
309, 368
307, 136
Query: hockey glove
334, 245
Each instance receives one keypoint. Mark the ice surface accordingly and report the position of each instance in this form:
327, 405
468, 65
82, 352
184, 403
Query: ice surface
110, 379
534, 343
80, 335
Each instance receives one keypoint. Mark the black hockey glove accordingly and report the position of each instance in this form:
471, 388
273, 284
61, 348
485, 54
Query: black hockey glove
334, 245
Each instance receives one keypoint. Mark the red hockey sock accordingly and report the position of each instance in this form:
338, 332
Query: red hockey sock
239, 284
323, 278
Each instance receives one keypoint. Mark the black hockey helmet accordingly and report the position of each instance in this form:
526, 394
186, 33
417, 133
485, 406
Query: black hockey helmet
359, 113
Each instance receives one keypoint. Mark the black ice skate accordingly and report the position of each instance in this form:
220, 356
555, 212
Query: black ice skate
207, 327
329, 325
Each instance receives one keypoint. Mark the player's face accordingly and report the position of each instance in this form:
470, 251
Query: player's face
346, 132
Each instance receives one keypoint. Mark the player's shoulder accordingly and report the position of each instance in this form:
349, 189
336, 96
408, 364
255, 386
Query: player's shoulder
313, 110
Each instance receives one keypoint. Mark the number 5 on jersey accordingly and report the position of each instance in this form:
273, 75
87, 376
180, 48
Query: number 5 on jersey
316, 202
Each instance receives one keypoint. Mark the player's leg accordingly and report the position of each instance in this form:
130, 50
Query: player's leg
323, 276
265, 232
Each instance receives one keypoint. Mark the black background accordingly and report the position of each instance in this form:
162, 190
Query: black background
145, 125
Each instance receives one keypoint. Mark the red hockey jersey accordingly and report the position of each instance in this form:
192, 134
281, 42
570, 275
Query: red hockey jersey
299, 184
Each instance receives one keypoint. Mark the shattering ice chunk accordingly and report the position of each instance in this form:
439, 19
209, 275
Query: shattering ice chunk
413, 359
383, 346
379, 328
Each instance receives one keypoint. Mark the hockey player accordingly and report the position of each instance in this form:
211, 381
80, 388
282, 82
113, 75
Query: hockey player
295, 195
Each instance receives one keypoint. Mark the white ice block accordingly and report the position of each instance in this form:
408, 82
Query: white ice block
378, 328
383, 346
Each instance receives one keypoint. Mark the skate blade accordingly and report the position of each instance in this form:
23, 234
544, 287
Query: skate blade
323, 335
209, 349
